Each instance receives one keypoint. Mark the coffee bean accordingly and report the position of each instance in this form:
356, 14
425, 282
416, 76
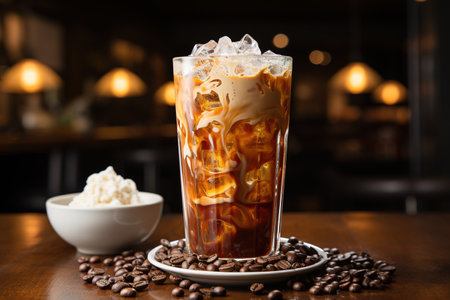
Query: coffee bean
103, 284
195, 287
212, 259
185, 284
82, 259
118, 286
195, 296
366, 282
376, 284
354, 288
140, 285
94, 259
120, 262
181, 244
330, 289
388, 268
255, 267
96, 278
282, 265
211, 267
178, 292
384, 277
87, 278
128, 266
127, 253
218, 291
137, 262
174, 279
257, 288
177, 259
185, 265
120, 272
287, 247
142, 269
228, 267
128, 292
117, 257
315, 290
84, 267
108, 261
293, 240
275, 295
206, 291
159, 279
298, 286
270, 267
96, 271
344, 285
244, 269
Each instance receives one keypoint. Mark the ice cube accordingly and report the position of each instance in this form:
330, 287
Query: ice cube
217, 185
240, 215
261, 193
248, 45
214, 231
209, 101
215, 161
265, 172
270, 53
225, 47
204, 49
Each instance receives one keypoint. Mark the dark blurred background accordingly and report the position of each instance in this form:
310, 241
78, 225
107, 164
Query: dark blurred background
370, 96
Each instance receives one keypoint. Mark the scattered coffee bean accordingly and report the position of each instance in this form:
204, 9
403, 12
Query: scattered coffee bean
195, 296
174, 279
206, 291
140, 285
87, 278
128, 292
96, 271
96, 278
354, 288
195, 287
185, 284
275, 295
108, 261
257, 288
178, 292
298, 286
127, 253
315, 290
118, 286
218, 291
159, 279
103, 284
165, 243
94, 259
84, 267
82, 259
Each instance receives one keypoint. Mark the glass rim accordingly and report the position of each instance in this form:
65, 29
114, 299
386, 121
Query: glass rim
233, 56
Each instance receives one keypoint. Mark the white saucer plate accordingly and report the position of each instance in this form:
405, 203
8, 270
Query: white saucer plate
238, 278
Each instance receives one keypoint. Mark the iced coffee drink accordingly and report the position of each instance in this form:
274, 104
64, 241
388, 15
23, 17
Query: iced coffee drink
232, 107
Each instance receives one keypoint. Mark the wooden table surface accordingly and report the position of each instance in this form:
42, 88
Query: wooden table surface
36, 264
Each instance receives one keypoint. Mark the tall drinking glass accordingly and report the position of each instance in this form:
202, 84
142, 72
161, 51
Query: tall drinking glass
232, 123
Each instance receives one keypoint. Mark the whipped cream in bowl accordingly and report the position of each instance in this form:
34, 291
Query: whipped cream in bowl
108, 216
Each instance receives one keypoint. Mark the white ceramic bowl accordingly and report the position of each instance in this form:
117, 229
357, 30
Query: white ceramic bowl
104, 230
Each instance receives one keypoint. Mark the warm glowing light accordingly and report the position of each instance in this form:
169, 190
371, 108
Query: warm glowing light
356, 78
29, 76
280, 40
120, 83
390, 92
316, 57
166, 94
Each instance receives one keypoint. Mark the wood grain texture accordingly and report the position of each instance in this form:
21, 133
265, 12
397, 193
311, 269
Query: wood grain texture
36, 264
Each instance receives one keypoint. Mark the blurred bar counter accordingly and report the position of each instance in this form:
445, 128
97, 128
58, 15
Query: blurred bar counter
97, 138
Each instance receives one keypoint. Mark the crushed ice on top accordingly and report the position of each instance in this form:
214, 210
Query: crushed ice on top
246, 46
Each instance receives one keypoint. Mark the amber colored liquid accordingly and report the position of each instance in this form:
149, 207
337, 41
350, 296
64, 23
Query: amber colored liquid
232, 169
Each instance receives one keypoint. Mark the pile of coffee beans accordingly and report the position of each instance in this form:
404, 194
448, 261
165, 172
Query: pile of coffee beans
293, 254
133, 273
